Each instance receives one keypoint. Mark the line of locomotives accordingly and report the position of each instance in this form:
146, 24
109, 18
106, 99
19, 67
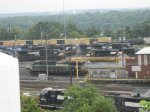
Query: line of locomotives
56, 53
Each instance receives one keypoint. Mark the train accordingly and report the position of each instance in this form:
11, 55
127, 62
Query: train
55, 41
55, 67
50, 98
126, 102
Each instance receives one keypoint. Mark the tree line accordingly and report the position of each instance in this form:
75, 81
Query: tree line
54, 30
115, 24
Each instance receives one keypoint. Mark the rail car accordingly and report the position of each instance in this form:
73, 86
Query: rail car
126, 102
55, 67
130, 51
38, 52
134, 41
55, 41
103, 52
50, 98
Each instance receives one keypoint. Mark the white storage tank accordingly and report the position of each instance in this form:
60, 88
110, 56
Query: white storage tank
9, 84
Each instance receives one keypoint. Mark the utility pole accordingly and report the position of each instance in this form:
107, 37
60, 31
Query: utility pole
9, 35
46, 56
64, 19
41, 35
15, 46
70, 67
122, 39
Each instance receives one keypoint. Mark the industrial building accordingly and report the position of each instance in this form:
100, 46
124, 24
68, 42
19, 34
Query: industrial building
139, 67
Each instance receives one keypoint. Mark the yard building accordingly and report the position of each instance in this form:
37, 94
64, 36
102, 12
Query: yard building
139, 67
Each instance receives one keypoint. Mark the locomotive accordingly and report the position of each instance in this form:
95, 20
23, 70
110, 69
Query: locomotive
50, 98
55, 67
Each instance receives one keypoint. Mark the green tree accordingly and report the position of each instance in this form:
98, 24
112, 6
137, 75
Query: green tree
108, 32
71, 27
87, 99
53, 30
128, 32
4, 34
29, 104
92, 31
74, 34
145, 105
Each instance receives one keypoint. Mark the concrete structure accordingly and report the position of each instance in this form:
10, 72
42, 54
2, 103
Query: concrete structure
9, 84
140, 66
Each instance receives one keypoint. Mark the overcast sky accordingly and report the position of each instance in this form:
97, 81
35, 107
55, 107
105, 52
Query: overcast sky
15, 6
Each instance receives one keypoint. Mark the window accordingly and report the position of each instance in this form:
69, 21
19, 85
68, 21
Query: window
145, 60
139, 60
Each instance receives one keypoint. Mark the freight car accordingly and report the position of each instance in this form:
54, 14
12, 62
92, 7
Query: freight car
55, 67
120, 46
103, 52
130, 51
127, 102
55, 41
33, 53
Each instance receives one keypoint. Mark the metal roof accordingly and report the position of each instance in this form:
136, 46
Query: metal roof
145, 50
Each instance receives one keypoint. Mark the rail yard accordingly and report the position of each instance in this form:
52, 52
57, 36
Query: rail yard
32, 84
101, 61
114, 67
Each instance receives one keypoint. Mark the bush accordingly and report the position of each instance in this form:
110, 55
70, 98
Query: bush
29, 104
145, 105
87, 99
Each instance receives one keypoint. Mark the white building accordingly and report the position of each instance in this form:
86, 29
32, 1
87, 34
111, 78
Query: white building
9, 84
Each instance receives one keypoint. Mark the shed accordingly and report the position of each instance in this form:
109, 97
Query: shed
9, 84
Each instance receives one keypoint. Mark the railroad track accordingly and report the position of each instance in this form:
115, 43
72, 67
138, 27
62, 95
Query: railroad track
29, 83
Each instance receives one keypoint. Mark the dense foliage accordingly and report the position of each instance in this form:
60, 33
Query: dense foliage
87, 99
30, 104
145, 105
80, 99
128, 23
